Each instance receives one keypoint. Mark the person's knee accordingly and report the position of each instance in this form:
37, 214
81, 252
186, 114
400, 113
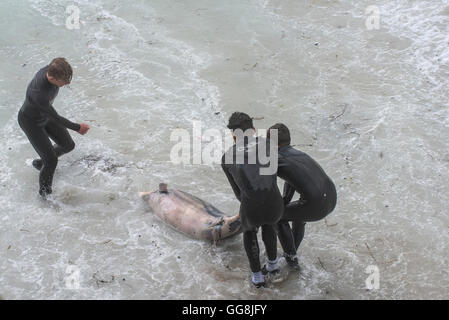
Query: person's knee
321, 214
50, 161
69, 147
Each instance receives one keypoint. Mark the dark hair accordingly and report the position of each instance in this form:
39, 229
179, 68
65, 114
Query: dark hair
240, 120
60, 69
283, 134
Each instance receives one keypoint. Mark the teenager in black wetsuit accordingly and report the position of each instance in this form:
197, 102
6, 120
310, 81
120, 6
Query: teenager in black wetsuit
260, 200
318, 195
40, 121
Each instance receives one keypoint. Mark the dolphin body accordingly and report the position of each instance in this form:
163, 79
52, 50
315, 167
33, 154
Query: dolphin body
190, 215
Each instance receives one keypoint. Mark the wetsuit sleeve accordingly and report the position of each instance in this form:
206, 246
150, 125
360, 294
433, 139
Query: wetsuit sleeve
51, 113
289, 191
231, 180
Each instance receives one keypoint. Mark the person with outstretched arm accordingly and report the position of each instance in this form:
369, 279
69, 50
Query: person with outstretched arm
260, 199
318, 196
40, 121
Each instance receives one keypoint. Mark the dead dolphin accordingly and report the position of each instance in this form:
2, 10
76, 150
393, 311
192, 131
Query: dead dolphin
190, 215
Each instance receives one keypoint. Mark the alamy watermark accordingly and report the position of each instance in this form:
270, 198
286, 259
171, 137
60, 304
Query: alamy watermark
213, 145
373, 280
72, 281
73, 20
372, 22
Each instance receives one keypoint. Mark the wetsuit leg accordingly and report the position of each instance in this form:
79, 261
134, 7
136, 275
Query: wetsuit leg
40, 141
265, 212
304, 211
62, 138
299, 212
286, 237
269, 238
298, 232
252, 249
313, 208
332, 194
60, 135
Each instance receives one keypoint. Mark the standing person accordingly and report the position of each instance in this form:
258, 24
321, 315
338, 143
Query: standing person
260, 200
305, 176
40, 121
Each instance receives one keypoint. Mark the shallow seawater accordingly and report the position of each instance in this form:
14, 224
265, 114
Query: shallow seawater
371, 106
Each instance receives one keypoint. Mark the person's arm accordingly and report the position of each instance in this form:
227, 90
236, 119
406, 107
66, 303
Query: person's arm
231, 180
289, 191
46, 108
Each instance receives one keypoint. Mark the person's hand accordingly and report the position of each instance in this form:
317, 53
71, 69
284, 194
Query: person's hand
83, 128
